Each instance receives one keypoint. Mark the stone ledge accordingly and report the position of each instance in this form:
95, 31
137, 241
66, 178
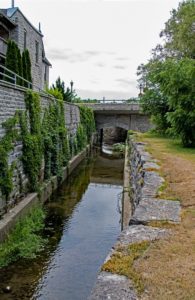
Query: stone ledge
112, 287
156, 210
139, 233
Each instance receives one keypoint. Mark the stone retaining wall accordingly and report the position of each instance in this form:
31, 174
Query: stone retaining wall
11, 100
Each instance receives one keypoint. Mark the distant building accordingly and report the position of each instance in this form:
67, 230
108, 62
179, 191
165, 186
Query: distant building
15, 26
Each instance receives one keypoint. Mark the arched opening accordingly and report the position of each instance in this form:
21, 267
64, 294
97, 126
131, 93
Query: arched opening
113, 135
112, 139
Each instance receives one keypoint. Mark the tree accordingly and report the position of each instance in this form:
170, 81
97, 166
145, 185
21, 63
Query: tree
20, 70
26, 65
11, 61
66, 92
168, 78
179, 32
179, 85
154, 102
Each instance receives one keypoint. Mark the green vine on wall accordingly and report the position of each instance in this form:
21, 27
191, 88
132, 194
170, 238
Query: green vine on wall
47, 147
6, 145
56, 142
87, 121
32, 153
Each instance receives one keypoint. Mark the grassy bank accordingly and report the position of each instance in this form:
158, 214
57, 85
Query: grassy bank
168, 272
25, 241
172, 146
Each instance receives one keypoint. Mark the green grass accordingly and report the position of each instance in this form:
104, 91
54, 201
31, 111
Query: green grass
119, 147
25, 240
171, 145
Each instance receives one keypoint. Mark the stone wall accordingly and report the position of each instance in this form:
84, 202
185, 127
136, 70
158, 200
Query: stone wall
11, 100
137, 172
145, 182
127, 121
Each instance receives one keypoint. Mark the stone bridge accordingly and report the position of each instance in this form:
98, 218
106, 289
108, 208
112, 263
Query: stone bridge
123, 115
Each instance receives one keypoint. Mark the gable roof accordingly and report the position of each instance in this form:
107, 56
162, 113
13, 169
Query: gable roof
9, 23
9, 13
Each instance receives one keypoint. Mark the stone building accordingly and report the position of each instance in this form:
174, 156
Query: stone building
15, 26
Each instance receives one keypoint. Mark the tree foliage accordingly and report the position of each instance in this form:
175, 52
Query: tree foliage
11, 61
19, 64
66, 93
179, 32
169, 77
26, 67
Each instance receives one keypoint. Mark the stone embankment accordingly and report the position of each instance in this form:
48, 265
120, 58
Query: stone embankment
12, 99
143, 193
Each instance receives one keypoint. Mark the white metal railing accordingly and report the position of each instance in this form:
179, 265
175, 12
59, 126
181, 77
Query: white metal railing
17, 80
6, 75
110, 101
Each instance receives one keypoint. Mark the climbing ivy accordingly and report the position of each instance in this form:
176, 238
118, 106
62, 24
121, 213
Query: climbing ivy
87, 121
84, 130
6, 145
47, 147
55, 137
32, 154
81, 138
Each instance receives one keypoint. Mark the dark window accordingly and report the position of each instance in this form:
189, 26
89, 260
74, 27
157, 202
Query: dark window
45, 74
25, 35
36, 51
4, 33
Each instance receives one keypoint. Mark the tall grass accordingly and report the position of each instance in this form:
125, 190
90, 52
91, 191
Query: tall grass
25, 241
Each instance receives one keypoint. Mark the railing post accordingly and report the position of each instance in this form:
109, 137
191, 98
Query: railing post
15, 79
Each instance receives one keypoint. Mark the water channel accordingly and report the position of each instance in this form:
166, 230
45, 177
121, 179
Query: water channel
82, 224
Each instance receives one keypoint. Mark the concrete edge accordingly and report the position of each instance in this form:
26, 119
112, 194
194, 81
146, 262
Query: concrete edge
23, 207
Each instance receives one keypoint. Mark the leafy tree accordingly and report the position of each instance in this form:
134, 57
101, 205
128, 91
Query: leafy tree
154, 101
26, 65
66, 92
169, 76
178, 84
55, 92
11, 61
20, 70
179, 32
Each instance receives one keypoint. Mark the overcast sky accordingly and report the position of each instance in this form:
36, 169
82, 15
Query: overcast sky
98, 43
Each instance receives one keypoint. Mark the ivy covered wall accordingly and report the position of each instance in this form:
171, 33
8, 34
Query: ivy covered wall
38, 139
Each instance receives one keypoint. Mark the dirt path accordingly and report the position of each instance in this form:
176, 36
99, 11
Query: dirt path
168, 267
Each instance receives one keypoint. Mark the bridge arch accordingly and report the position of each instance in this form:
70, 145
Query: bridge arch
111, 125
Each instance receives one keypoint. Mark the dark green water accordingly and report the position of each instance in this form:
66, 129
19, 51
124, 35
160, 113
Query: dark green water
83, 222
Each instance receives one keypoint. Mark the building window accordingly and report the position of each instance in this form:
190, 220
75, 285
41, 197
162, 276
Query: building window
36, 51
45, 74
25, 35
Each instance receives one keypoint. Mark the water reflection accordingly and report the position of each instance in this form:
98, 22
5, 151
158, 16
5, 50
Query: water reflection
82, 224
